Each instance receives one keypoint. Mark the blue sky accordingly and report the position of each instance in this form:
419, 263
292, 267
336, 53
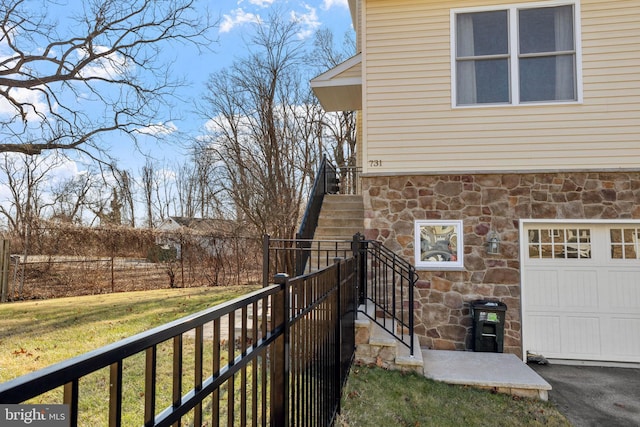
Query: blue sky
236, 20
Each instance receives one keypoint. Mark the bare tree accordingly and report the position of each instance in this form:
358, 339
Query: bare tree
114, 215
70, 198
197, 187
25, 177
187, 190
148, 185
165, 189
66, 85
260, 129
124, 189
209, 190
158, 187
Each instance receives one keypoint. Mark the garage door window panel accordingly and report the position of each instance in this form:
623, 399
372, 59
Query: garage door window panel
625, 243
560, 243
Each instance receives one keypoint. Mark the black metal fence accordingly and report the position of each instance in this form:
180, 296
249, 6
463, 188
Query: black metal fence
301, 256
386, 289
55, 274
386, 281
275, 357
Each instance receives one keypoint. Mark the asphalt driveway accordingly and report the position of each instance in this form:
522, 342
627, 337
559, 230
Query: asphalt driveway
593, 395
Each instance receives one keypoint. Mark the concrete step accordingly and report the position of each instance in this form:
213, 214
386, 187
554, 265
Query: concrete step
332, 215
343, 205
343, 202
340, 221
498, 372
341, 217
376, 346
343, 233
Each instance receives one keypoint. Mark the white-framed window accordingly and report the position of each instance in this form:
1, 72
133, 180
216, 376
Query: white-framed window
439, 245
519, 54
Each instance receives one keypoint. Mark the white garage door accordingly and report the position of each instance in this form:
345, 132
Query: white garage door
581, 291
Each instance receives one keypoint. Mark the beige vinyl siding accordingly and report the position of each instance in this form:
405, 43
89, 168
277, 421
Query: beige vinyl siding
411, 126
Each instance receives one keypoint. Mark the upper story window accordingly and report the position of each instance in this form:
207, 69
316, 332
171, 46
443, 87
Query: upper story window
515, 55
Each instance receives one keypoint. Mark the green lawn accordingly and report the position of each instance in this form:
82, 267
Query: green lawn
36, 334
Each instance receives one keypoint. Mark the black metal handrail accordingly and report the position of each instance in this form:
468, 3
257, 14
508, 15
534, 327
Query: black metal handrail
385, 280
386, 289
282, 358
326, 182
349, 177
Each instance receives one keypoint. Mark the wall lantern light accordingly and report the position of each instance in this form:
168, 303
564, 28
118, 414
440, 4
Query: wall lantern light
493, 243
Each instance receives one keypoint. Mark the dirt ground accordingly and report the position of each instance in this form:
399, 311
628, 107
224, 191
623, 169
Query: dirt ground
46, 278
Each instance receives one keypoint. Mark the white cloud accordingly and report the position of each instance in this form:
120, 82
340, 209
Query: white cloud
328, 4
64, 171
24, 96
165, 175
217, 128
236, 18
32, 100
212, 126
158, 129
262, 3
108, 67
309, 21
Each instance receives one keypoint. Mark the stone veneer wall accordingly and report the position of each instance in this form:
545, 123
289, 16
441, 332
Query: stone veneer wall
484, 202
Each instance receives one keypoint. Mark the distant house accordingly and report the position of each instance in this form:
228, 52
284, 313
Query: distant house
205, 233
499, 142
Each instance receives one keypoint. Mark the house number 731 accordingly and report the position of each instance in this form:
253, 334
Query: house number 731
375, 163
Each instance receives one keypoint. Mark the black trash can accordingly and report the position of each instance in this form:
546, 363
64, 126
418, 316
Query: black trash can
488, 325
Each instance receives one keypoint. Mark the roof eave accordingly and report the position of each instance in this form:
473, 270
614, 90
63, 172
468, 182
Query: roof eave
340, 89
352, 8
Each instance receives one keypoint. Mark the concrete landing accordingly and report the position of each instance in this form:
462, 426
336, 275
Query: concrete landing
501, 372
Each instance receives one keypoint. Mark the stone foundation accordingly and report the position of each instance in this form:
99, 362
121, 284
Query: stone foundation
491, 202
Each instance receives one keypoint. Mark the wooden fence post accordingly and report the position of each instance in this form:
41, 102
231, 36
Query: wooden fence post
5, 262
